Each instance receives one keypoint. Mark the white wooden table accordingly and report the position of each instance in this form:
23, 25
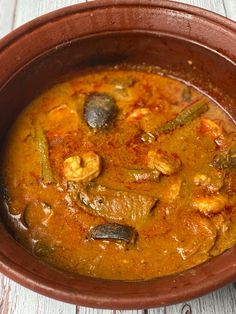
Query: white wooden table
14, 299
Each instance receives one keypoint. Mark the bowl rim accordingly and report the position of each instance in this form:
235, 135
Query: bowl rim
96, 4
62, 293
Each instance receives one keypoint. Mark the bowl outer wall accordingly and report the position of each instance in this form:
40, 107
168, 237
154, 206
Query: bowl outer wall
60, 27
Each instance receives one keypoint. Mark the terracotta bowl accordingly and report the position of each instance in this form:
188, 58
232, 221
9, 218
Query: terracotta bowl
189, 43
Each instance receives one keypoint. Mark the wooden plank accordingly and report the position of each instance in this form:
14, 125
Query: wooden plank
230, 8
216, 6
4, 294
19, 300
30, 9
161, 310
7, 8
222, 301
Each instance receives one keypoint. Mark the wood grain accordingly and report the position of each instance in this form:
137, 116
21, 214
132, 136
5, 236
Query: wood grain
212, 5
23, 301
222, 301
30, 9
14, 299
230, 8
7, 13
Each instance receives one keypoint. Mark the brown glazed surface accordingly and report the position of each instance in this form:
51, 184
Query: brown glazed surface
161, 33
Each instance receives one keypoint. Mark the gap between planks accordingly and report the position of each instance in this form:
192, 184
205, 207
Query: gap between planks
14, 15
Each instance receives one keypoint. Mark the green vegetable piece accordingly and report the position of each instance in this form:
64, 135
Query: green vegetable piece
188, 114
113, 232
32, 212
225, 160
42, 146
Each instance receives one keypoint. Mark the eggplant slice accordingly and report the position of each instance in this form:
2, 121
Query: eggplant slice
113, 232
127, 207
99, 110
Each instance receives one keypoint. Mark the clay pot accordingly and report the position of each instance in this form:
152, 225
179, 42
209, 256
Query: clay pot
192, 44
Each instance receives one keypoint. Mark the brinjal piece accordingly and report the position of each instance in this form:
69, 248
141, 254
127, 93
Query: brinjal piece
113, 232
99, 110
36, 213
127, 207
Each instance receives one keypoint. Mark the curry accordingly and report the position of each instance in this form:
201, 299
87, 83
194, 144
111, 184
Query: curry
122, 174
